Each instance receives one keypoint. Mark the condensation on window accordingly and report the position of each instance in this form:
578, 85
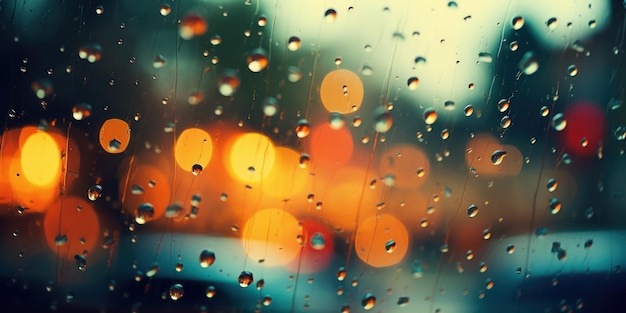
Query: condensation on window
312, 156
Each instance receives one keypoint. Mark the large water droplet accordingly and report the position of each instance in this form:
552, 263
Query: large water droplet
369, 301
529, 64
257, 60
472, 210
559, 122
245, 279
430, 116
210, 292
318, 242
390, 246
94, 192
382, 120
207, 258
552, 185
81, 262
497, 157
303, 129
176, 291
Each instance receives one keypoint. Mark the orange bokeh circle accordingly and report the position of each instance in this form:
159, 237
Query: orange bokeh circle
372, 237
114, 135
193, 146
330, 148
75, 218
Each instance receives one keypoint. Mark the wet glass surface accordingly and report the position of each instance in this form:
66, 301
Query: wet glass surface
312, 156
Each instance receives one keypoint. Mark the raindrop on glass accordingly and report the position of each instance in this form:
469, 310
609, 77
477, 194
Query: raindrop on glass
303, 129
497, 157
472, 210
245, 279
369, 301
559, 122
81, 262
529, 64
207, 258
176, 291
94, 192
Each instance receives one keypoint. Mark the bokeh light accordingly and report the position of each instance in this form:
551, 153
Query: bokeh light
251, 157
270, 236
74, 219
114, 135
341, 91
381, 241
193, 146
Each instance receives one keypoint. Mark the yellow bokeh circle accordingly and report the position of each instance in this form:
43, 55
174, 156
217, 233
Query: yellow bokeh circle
270, 236
41, 159
194, 146
251, 157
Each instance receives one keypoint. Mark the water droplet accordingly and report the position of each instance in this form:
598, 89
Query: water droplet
430, 116
485, 57
81, 262
153, 270
417, 269
390, 246
472, 210
90, 52
552, 185
403, 301
318, 242
572, 70
303, 129
468, 110
503, 105
179, 266
529, 64
336, 120
176, 291
192, 25
517, 22
60, 240
482, 267
228, 82
341, 273
94, 192
260, 284
145, 213
305, 160
173, 210
267, 300
544, 111
369, 301
588, 244
257, 60
330, 15
382, 120
207, 258
555, 206
294, 43
513, 46
210, 292
497, 157
552, 23
245, 279
505, 122
510, 249
165, 10
449, 105
413, 82
559, 122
